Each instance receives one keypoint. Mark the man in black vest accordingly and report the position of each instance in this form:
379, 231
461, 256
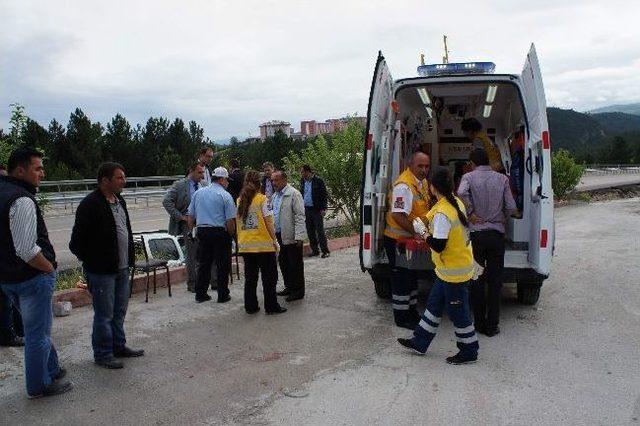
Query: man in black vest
28, 270
102, 240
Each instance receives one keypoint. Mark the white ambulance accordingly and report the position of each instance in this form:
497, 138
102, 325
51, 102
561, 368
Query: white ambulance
425, 113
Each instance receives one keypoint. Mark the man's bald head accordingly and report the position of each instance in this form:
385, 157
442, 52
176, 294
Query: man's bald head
420, 164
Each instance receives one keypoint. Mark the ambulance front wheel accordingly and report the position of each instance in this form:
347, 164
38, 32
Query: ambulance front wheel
381, 276
529, 289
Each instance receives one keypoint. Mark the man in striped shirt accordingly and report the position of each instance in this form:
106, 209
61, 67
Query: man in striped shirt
487, 197
28, 270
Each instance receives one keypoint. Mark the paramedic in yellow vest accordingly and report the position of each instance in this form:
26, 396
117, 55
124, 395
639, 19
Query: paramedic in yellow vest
409, 199
447, 234
472, 129
258, 246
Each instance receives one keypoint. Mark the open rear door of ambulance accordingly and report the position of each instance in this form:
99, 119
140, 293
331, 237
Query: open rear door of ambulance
375, 171
538, 168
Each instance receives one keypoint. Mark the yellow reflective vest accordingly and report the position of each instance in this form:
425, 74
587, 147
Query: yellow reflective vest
495, 159
419, 207
455, 263
253, 236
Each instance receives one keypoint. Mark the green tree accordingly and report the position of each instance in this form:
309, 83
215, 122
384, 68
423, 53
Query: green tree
34, 135
117, 142
565, 173
17, 123
339, 163
84, 144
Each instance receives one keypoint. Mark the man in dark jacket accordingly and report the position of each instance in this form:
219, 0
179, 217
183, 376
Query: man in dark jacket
236, 179
314, 193
102, 240
28, 270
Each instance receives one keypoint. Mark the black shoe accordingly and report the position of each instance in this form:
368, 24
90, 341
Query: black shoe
110, 363
408, 343
409, 325
224, 299
252, 311
277, 311
284, 292
325, 255
53, 389
314, 254
62, 372
460, 358
490, 332
292, 298
16, 342
204, 298
128, 353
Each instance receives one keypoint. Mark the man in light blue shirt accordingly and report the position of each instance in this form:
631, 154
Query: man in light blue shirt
213, 212
276, 201
308, 199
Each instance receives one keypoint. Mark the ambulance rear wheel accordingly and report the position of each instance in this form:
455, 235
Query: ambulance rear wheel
381, 276
529, 291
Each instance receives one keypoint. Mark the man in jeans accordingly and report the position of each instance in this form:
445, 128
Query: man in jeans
489, 202
28, 270
102, 240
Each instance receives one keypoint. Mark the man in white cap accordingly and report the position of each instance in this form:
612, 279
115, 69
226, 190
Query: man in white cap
212, 211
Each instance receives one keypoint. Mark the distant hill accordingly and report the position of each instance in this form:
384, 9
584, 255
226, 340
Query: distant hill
614, 123
574, 131
628, 109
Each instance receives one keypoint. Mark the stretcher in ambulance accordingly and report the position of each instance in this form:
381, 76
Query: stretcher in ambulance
424, 113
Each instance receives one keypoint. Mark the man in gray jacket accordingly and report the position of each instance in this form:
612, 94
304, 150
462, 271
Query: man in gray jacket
176, 202
288, 214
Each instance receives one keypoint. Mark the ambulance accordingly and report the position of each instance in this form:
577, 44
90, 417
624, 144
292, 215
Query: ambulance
424, 113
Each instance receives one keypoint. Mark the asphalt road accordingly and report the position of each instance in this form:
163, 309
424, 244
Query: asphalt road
333, 358
593, 182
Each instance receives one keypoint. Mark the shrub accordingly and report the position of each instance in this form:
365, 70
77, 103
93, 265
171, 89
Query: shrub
565, 173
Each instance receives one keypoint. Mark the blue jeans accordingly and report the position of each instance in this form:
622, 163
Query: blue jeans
34, 299
455, 297
110, 301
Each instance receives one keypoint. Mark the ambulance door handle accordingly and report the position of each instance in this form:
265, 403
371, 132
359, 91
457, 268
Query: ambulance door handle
528, 163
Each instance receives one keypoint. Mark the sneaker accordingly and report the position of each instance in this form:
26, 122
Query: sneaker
408, 343
62, 372
109, 363
128, 353
204, 298
409, 325
224, 299
252, 311
280, 310
490, 332
53, 389
314, 254
292, 298
460, 358
325, 255
16, 342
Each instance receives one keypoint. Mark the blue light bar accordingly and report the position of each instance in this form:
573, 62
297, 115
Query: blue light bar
456, 68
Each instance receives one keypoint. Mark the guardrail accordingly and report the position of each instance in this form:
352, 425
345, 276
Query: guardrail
88, 184
600, 169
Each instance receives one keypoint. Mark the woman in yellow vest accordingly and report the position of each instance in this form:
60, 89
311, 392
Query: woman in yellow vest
258, 246
448, 236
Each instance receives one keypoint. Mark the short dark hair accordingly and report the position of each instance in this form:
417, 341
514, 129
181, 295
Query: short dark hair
204, 150
2, 167
307, 168
470, 125
195, 164
282, 172
234, 163
21, 157
267, 164
479, 157
106, 170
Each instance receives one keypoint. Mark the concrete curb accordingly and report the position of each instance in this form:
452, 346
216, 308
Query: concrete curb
80, 297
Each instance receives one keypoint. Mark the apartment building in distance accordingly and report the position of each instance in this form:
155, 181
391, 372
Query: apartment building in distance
313, 127
270, 128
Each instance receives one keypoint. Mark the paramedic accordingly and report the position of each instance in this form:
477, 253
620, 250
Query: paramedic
448, 237
487, 197
472, 129
409, 199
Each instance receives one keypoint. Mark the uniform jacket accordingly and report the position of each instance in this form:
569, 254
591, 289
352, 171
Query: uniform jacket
292, 224
176, 202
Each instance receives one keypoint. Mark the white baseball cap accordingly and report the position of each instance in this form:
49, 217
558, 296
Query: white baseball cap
220, 172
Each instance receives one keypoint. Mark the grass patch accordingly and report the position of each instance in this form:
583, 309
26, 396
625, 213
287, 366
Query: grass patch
68, 278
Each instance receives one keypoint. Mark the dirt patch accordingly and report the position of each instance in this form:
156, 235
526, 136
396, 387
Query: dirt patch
598, 195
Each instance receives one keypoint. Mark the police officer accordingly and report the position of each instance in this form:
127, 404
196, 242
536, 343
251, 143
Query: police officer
409, 200
212, 211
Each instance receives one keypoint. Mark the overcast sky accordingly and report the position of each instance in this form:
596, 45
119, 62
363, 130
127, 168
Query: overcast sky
230, 65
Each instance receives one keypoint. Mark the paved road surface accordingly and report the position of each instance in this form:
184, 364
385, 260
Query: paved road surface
593, 182
333, 358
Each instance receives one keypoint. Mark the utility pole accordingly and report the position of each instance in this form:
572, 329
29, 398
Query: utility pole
445, 58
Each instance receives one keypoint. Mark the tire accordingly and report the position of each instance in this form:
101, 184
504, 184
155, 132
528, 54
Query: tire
381, 276
529, 289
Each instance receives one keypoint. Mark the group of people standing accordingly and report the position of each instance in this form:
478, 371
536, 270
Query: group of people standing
465, 234
266, 216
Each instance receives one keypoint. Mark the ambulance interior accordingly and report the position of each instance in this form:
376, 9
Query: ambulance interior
430, 118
